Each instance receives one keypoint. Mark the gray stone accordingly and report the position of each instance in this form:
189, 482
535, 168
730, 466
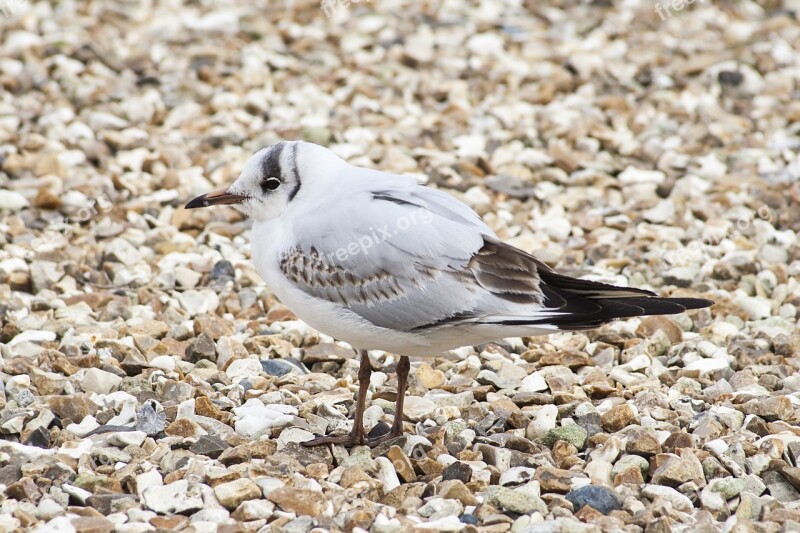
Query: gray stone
779, 488
457, 470
516, 500
149, 421
600, 498
276, 368
210, 446
301, 524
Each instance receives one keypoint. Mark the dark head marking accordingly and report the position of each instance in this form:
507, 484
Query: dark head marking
271, 169
296, 172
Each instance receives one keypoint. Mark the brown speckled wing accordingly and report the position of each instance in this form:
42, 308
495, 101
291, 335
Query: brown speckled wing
322, 277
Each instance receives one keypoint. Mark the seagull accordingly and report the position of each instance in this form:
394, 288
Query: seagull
383, 263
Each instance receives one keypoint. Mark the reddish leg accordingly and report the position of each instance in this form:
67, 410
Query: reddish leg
357, 436
403, 366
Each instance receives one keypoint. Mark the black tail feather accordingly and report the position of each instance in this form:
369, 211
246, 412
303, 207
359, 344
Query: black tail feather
584, 304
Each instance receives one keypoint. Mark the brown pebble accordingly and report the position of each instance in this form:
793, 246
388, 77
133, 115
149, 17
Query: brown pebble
402, 464
304, 502
677, 441
85, 524
642, 442
631, 476
455, 489
553, 479
565, 454
183, 427
203, 406
173, 522
24, 490
588, 514
650, 324
617, 418
359, 518
74, 407
212, 325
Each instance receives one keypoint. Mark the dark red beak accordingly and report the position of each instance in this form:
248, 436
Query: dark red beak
220, 197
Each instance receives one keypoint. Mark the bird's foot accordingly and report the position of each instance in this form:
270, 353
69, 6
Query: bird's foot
393, 433
357, 438
354, 438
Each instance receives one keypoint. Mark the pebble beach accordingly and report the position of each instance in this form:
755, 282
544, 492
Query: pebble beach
150, 381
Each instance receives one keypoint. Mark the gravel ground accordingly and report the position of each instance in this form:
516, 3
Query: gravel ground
150, 381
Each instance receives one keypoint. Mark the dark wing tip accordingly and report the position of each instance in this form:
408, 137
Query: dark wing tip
692, 303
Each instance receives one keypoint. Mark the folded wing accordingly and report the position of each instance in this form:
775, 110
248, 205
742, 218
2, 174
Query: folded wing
415, 258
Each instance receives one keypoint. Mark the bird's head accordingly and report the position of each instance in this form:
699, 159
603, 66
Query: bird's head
273, 178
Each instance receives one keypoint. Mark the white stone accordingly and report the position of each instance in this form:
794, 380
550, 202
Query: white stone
33, 336
256, 510
123, 251
516, 476
533, 383
664, 211
164, 362
59, 524
624, 377
12, 200
640, 362
198, 302
126, 438
445, 524
544, 421
636, 175
140, 515
78, 493
293, 435
27, 350
387, 474
87, 424
720, 332
372, 415
121, 400
268, 484
600, 472
243, 369
147, 480
729, 416
436, 508
253, 417
48, 508
99, 381
713, 495
186, 277
14, 424
678, 500
76, 449
418, 409
177, 497
585, 408
708, 365
755, 306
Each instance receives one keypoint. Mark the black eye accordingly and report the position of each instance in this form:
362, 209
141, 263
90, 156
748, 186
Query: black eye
270, 184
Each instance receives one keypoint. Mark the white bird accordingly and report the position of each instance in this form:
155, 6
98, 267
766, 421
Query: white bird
381, 262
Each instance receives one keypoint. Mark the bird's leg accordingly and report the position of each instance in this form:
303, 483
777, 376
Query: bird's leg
357, 435
403, 366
